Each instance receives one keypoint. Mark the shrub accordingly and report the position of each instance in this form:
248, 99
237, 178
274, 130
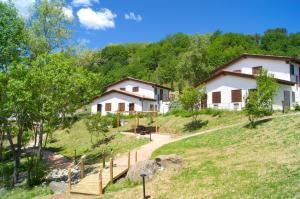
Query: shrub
37, 170
297, 107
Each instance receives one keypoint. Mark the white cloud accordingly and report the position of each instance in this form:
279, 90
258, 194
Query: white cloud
132, 16
84, 2
68, 12
102, 19
23, 6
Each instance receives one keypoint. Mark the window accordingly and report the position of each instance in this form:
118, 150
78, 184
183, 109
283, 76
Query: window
216, 97
131, 106
236, 95
151, 107
155, 91
99, 108
107, 106
135, 89
122, 89
292, 69
161, 94
121, 107
293, 97
255, 70
237, 71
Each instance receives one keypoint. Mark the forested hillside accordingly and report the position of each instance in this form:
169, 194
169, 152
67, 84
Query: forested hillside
180, 59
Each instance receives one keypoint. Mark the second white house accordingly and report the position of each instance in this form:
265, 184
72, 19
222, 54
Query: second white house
228, 86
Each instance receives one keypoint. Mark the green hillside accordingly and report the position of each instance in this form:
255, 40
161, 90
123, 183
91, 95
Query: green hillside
237, 162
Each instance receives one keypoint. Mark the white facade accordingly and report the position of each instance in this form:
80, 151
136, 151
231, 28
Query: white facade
225, 83
145, 97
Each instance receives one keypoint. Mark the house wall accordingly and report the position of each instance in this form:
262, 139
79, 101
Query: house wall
116, 98
226, 83
279, 68
144, 89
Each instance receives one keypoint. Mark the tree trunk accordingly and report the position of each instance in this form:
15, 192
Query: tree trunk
1, 145
40, 142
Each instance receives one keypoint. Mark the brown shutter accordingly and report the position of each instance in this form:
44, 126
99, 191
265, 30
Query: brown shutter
216, 97
121, 106
122, 89
107, 106
135, 89
255, 70
131, 106
236, 95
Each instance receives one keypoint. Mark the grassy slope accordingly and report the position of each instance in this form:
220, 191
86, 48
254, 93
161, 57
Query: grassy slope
79, 138
233, 163
21, 193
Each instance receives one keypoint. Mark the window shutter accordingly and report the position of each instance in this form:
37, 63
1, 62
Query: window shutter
236, 95
216, 97
121, 106
135, 89
108, 107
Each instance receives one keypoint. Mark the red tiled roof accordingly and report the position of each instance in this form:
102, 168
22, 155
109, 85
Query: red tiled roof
241, 75
125, 93
138, 80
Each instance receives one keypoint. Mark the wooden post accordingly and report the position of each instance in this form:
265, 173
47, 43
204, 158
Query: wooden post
118, 121
135, 157
129, 160
82, 167
103, 162
135, 126
111, 167
69, 180
100, 183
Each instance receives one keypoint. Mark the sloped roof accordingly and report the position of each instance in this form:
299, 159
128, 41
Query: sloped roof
125, 93
138, 80
243, 75
246, 55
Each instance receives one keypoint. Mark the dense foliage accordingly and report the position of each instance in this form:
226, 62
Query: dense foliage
260, 100
180, 60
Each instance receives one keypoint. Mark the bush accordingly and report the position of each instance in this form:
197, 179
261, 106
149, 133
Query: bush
36, 172
297, 107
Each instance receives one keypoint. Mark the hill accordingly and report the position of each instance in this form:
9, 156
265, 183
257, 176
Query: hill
237, 162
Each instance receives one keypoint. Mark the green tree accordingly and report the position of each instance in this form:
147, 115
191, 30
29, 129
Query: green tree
190, 100
48, 27
260, 100
97, 126
12, 35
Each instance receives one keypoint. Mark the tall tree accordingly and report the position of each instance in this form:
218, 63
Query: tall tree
12, 35
48, 27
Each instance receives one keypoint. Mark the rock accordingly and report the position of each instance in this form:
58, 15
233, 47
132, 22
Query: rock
148, 167
172, 161
62, 175
58, 187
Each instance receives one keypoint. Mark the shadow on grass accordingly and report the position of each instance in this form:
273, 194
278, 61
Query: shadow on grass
55, 149
194, 125
257, 123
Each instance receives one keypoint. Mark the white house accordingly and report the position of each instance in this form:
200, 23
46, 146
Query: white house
228, 86
131, 94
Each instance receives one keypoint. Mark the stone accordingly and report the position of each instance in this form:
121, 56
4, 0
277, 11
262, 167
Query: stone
62, 175
58, 187
171, 161
148, 167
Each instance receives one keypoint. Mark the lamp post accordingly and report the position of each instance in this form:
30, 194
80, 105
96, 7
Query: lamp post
144, 187
150, 136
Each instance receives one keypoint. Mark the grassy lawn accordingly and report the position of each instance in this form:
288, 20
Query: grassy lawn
178, 125
23, 193
233, 163
77, 137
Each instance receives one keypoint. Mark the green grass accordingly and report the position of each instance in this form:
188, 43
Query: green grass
77, 137
121, 185
25, 193
239, 162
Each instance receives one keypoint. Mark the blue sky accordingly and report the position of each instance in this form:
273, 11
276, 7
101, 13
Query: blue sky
101, 22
